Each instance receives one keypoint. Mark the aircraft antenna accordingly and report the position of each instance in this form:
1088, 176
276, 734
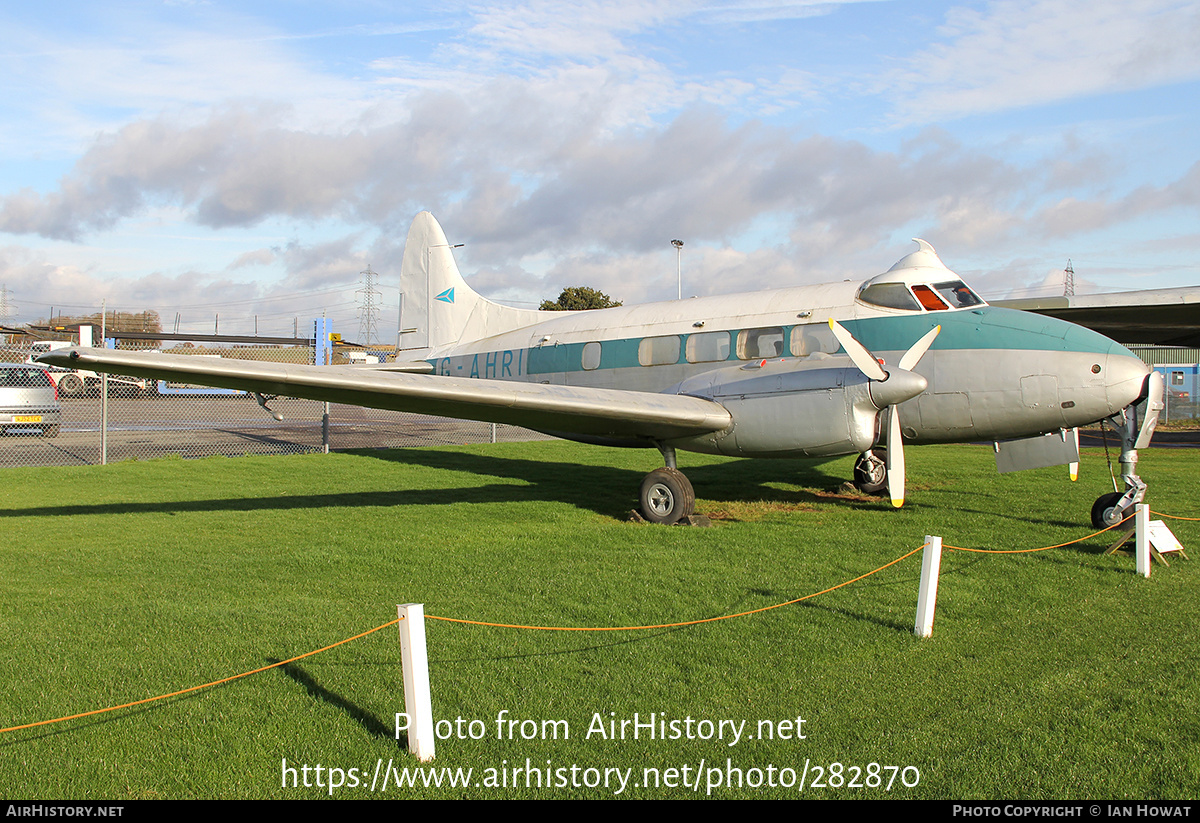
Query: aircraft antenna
368, 309
1069, 280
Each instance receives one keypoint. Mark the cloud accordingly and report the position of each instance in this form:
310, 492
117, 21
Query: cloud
257, 257
515, 176
1029, 52
317, 280
564, 141
758, 12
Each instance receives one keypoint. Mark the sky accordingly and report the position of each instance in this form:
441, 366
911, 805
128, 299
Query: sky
236, 166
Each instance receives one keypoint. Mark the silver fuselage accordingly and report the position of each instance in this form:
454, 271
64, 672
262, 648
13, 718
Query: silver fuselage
993, 374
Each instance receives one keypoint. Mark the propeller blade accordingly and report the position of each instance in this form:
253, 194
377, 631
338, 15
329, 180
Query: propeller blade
858, 353
914, 355
895, 459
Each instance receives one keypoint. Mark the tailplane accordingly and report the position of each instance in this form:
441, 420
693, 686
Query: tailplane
438, 308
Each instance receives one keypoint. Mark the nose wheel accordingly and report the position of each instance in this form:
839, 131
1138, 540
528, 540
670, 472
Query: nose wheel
1107, 510
666, 496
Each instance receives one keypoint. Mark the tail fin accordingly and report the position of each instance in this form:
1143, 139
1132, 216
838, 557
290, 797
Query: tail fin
438, 308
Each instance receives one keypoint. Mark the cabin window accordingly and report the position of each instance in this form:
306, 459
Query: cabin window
813, 338
929, 299
708, 347
659, 351
958, 294
591, 356
1176, 378
889, 295
755, 344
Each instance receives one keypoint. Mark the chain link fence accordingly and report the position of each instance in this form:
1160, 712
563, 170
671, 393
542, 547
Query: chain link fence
140, 419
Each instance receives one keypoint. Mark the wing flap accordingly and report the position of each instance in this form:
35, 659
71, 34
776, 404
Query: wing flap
568, 409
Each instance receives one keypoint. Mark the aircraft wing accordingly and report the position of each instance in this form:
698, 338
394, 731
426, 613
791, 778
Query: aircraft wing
568, 409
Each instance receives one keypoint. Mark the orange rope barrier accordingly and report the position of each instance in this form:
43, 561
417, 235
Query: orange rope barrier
1173, 516
197, 688
577, 628
1043, 548
673, 625
453, 620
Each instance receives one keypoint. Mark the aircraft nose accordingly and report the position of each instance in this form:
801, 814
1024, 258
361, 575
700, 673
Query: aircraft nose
1125, 375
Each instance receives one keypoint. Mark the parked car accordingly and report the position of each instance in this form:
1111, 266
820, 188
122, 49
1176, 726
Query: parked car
28, 399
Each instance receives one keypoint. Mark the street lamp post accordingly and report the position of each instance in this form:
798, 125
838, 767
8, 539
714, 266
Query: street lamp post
678, 244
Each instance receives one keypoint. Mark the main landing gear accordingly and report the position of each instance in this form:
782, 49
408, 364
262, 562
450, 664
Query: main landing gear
666, 495
870, 473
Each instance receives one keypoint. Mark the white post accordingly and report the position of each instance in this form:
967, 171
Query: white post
103, 387
931, 562
1141, 541
417, 703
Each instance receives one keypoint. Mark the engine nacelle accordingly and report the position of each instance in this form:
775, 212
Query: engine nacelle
816, 407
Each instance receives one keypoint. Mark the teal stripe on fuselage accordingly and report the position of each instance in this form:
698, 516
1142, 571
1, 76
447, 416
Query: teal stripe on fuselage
985, 328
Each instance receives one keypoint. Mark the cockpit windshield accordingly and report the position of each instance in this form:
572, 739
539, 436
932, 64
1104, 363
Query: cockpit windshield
919, 281
890, 296
951, 294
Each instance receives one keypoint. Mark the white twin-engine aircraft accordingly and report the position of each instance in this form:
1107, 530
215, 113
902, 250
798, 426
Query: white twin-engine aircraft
912, 354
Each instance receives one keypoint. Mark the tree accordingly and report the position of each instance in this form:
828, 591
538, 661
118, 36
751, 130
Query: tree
579, 298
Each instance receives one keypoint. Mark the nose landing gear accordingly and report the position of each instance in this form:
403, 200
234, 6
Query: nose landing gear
1110, 509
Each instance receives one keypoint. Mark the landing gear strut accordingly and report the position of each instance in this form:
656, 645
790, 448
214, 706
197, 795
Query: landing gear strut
666, 495
1110, 509
870, 473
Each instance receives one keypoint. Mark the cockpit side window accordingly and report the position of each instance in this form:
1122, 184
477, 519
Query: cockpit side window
929, 298
958, 294
889, 295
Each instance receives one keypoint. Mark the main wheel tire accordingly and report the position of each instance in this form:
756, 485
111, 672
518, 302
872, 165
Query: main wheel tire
666, 496
870, 477
1105, 512
71, 385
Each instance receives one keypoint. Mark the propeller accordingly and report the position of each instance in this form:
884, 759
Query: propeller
888, 390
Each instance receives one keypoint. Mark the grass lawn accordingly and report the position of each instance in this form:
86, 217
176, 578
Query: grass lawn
1060, 674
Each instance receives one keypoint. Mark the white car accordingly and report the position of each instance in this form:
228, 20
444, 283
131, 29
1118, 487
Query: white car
28, 399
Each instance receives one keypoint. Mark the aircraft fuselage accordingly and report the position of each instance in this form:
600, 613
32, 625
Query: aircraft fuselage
992, 373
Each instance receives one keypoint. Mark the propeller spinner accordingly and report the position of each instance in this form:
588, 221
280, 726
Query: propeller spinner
889, 388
